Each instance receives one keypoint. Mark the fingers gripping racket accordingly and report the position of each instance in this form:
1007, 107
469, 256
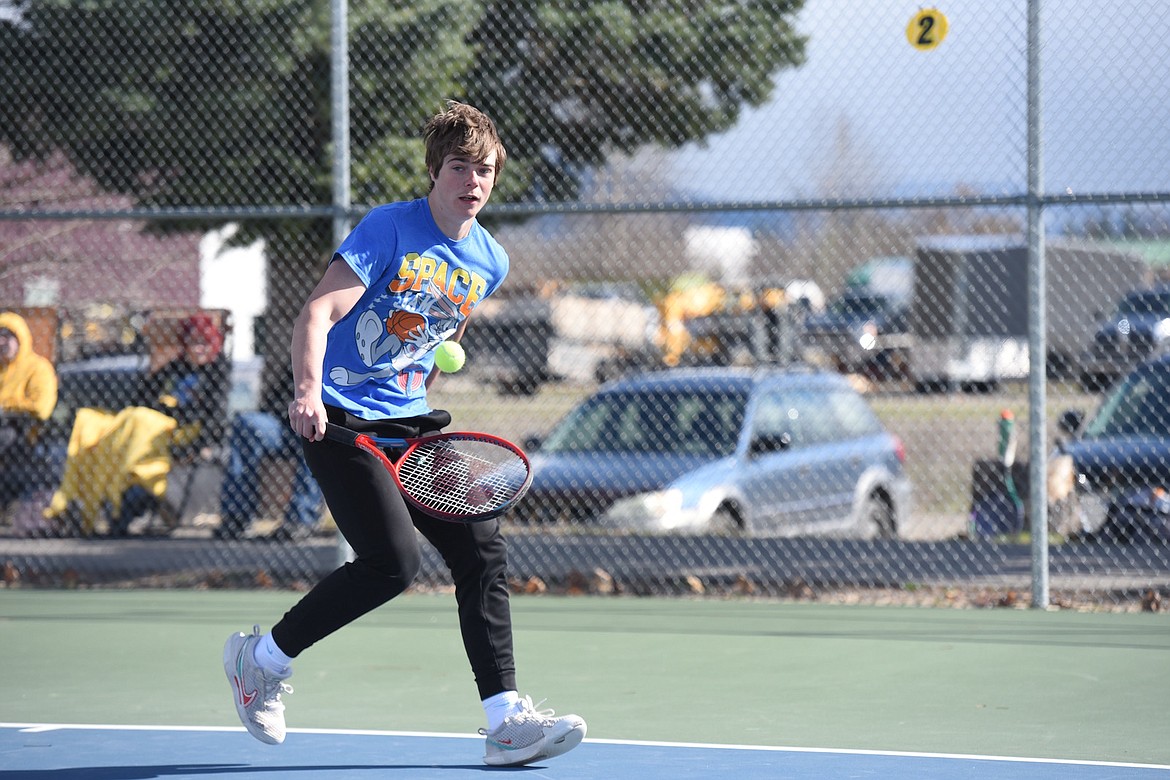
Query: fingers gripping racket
458, 476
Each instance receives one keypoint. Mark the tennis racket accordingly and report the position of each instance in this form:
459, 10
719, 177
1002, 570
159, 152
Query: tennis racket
459, 476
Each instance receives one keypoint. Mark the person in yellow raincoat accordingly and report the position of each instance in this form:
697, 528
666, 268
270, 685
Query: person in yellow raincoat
28, 395
121, 460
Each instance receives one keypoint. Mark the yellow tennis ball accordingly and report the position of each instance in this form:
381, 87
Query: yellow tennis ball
449, 356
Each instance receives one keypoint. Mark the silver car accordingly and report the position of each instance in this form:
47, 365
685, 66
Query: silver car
763, 452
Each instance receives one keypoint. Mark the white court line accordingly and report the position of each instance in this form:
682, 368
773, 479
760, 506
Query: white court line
33, 728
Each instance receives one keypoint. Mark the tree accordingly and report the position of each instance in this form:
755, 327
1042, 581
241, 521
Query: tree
587, 79
227, 103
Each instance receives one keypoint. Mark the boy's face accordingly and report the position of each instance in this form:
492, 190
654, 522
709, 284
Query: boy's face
462, 186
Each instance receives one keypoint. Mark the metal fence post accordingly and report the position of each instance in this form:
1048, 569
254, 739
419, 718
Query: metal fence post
1037, 323
339, 100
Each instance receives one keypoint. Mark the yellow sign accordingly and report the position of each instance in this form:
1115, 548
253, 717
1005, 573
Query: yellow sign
927, 29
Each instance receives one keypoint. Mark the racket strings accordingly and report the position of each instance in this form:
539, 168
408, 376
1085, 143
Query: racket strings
463, 476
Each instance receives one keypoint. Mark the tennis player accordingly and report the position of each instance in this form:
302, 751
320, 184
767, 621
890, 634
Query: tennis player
406, 279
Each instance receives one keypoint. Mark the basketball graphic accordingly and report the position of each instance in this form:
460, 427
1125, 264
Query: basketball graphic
403, 323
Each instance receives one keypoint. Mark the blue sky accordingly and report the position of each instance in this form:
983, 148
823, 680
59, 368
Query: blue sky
925, 122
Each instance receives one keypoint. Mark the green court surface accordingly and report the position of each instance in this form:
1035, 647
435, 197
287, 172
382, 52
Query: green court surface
1020, 683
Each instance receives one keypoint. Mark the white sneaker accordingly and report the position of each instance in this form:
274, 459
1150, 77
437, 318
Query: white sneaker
256, 690
532, 735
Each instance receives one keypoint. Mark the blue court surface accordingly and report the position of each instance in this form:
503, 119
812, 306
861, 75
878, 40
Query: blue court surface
89, 752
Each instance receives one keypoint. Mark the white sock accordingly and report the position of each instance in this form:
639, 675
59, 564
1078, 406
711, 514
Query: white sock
271, 657
499, 707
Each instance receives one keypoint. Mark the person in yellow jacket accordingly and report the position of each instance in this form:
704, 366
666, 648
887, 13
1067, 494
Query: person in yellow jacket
118, 462
28, 395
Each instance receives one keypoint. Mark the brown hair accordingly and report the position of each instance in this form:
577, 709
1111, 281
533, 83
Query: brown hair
463, 130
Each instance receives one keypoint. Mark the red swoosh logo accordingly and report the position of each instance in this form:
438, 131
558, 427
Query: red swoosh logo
245, 697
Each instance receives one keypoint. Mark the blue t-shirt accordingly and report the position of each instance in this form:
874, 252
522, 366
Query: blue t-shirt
420, 285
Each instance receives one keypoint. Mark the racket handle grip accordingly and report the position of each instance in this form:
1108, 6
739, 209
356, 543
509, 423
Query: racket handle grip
341, 434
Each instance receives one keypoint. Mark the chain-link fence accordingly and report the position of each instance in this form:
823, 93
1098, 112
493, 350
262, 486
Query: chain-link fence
772, 320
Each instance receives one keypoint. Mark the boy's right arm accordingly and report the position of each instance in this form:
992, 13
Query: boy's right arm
338, 291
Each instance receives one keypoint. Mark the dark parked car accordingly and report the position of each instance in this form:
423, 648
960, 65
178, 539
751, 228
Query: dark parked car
509, 345
863, 331
768, 452
1121, 458
1138, 330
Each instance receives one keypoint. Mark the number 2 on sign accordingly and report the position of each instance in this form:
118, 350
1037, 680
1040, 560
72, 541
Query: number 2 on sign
927, 29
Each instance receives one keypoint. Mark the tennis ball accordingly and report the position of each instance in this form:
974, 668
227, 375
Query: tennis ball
449, 356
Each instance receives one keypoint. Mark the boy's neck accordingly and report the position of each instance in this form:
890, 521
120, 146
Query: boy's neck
455, 229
